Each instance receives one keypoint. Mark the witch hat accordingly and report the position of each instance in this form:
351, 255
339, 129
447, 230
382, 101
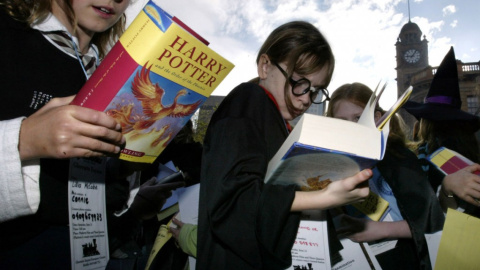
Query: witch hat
443, 102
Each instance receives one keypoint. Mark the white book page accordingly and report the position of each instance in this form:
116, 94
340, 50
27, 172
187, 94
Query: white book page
368, 118
188, 199
311, 250
433, 242
356, 256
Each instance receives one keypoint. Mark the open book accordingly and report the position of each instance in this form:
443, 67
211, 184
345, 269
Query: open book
323, 149
153, 80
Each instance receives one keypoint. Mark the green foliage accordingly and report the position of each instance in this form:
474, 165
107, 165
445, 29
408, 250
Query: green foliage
201, 124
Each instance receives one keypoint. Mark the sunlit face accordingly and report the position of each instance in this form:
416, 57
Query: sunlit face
275, 83
94, 16
98, 15
347, 110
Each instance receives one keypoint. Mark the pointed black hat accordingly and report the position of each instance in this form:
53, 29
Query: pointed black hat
443, 102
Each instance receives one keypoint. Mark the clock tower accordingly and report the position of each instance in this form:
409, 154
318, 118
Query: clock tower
412, 54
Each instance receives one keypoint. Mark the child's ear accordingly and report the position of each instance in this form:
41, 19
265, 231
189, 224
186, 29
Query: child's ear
262, 66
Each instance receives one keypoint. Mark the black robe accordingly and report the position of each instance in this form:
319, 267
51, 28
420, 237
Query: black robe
244, 223
32, 72
418, 205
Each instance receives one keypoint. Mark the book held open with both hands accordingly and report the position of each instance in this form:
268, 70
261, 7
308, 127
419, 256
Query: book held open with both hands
153, 80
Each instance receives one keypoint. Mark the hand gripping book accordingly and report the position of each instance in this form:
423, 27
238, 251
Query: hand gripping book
321, 149
153, 80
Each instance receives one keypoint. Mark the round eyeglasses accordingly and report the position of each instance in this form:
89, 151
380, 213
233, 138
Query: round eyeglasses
303, 86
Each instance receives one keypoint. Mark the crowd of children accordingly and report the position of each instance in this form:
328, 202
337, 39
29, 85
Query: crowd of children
243, 222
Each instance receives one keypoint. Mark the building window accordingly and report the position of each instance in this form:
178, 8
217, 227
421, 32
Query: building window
472, 103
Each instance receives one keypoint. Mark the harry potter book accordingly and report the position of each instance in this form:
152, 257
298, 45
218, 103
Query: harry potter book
449, 161
322, 149
153, 80
374, 207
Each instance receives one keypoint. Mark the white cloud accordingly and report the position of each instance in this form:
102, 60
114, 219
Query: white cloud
454, 24
438, 43
450, 9
438, 49
362, 34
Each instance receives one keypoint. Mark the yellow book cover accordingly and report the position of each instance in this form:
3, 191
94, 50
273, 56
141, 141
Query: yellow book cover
459, 243
374, 206
153, 80
449, 161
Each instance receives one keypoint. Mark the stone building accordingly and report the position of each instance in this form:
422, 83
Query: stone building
413, 69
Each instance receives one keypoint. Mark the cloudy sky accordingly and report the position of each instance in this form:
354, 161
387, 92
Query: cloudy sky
362, 33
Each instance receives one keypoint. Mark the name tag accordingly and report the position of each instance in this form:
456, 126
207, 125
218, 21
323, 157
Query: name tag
88, 220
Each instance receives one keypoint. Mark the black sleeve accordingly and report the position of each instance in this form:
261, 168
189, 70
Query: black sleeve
415, 198
250, 219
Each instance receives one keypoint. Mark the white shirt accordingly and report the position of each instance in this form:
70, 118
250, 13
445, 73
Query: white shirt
19, 181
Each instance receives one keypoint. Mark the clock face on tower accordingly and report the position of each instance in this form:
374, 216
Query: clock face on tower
411, 56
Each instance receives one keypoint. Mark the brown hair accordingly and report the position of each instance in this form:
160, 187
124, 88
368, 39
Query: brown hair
35, 11
302, 47
455, 135
359, 94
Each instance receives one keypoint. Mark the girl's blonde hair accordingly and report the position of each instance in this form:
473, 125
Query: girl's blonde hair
35, 11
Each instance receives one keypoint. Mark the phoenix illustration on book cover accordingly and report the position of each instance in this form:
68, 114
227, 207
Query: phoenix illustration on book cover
145, 109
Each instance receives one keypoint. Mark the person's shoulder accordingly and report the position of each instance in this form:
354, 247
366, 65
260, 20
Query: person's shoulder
246, 100
8, 22
247, 91
400, 156
244, 96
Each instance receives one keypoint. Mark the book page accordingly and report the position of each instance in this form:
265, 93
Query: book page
433, 242
356, 256
338, 135
459, 244
368, 115
384, 120
311, 250
359, 145
165, 170
330, 166
188, 199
